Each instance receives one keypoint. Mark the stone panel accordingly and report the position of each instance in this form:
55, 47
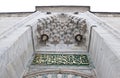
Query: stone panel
104, 54
18, 44
18, 66
63, 8
11, 71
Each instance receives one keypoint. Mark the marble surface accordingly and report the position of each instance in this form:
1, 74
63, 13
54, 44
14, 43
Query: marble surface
104, 50
8, 22
112, 21
16, 47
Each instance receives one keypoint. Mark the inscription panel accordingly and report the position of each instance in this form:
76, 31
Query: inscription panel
60, 59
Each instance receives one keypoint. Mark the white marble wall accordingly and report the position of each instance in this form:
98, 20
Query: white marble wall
105, 53
17, 49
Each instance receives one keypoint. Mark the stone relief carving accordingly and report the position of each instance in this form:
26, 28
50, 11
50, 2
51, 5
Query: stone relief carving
52, 30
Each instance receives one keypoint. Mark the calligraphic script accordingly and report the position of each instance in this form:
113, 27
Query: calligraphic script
60, 59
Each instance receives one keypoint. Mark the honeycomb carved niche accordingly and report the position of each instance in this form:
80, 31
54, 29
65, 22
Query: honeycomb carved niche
61, 28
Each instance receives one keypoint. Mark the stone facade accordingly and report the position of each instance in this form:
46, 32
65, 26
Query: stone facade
24, 39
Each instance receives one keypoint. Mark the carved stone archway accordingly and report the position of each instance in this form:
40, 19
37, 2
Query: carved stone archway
72, 72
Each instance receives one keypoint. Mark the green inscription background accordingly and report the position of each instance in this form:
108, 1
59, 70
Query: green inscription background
60, 59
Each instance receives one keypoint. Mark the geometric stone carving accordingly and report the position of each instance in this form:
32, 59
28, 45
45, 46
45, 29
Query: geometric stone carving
54, 31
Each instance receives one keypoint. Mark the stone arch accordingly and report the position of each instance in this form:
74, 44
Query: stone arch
72, 72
